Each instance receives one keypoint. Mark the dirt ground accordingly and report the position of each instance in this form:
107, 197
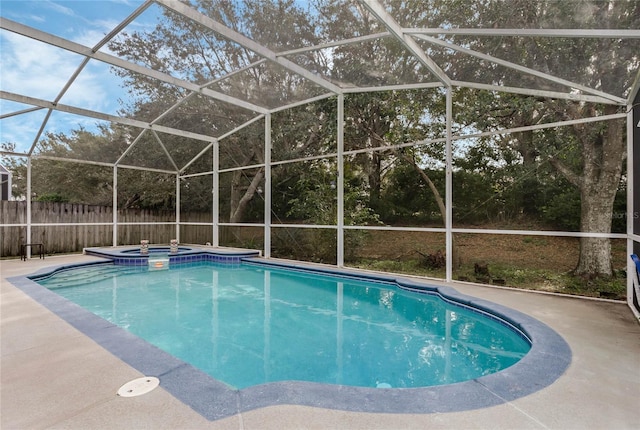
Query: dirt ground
535, 252
534, 262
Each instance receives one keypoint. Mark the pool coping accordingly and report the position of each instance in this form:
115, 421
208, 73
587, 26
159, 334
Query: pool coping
547, 360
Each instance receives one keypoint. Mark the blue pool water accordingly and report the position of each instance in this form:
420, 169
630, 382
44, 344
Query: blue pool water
247, 325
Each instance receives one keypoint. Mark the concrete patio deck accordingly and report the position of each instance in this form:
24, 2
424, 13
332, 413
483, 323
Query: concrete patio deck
53, 376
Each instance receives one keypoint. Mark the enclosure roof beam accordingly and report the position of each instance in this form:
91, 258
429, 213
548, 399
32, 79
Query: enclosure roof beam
40, 130
241, 126
81, 67
544, 126
530, 32
194, 159
398, 87
102, 163
83, 64
73, 160
634, 89
68, 45
409, 43
519, 68
62, 92
227, 134
164, 148
102, 116
244, 41
192, 93
130, 147
128, 20
13, 153
357, 90
333, 44
20, 112
535, 93
302, 102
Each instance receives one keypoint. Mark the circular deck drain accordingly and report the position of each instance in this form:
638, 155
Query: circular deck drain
138, 387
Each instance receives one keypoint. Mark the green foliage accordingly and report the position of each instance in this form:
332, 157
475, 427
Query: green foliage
407, 199
620, 213
53, 198
314, 201
563, 211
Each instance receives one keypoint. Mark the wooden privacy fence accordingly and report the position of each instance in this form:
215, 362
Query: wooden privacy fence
72, 237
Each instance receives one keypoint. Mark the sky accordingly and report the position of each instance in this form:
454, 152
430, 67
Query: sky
37, 70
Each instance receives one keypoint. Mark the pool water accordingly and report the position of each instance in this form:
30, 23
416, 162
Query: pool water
247, 325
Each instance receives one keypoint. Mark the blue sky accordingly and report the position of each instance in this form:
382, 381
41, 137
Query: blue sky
34, 69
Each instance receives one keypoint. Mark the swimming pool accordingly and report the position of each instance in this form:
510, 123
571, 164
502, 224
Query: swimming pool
546, 361
248, 325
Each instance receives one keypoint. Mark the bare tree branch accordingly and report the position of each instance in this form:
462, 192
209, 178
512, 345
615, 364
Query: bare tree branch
568, 174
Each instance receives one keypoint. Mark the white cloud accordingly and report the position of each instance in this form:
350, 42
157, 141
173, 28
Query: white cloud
58, 8
35, 69
38, 70
32, 68
36, 18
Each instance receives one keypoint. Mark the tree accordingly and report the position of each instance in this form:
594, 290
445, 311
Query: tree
595, 167
200, 55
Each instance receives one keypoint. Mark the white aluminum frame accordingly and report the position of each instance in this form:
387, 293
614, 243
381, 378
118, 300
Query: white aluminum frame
407, 37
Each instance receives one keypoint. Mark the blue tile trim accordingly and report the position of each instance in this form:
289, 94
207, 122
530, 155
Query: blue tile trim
547, 360
130, 256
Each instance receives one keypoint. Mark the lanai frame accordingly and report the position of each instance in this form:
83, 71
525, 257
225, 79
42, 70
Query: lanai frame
405, 36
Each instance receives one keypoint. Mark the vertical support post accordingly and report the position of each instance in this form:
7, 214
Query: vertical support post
178, 207
114, 210
28, 232
215, 239
633, 194
449, 185
340, 184
630, 205
267, 186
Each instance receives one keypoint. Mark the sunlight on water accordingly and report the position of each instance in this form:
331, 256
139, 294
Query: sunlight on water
247, 325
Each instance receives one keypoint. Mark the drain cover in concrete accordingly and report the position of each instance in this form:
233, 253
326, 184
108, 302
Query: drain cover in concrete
138, 387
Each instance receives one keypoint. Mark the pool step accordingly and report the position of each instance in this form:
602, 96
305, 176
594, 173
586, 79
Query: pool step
89, 275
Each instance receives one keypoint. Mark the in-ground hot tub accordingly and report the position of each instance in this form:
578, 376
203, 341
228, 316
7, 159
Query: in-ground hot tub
131, 255
157, 250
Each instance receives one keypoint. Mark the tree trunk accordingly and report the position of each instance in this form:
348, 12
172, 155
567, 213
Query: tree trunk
455, 255
241, 196
529, 190
235, 195
239, 206
596, 215
375, 180
603, 157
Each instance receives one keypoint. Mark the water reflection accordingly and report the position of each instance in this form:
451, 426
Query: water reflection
246, 325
